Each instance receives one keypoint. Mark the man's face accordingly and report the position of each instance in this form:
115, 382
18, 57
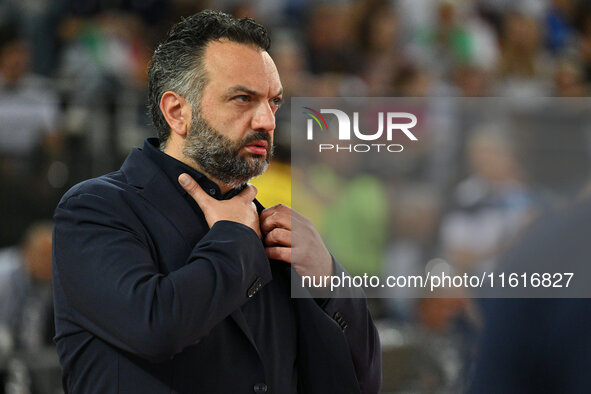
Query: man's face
231, 136
14, 59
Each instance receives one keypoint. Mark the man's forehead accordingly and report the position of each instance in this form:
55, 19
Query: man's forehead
241, 64
226, 51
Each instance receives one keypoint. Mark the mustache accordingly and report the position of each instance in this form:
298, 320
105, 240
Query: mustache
256, 136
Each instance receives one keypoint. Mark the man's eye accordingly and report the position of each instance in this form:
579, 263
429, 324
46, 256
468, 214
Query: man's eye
277, 101
242, 98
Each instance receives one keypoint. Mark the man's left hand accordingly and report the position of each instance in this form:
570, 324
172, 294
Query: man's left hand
312, 257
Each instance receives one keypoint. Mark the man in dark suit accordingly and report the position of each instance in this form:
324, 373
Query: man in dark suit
541, 345
170, 278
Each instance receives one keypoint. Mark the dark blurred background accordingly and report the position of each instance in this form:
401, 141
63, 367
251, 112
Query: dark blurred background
73, 102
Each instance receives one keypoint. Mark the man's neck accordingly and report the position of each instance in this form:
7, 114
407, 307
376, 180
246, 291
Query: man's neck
177, 153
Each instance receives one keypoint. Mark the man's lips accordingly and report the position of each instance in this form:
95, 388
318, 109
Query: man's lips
258, 147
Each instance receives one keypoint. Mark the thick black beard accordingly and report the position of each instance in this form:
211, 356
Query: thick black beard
220, 158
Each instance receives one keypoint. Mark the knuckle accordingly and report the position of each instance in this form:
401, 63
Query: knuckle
280, 234
267, 219
274, 221
192, 189
264, 214
285, 253
278, 253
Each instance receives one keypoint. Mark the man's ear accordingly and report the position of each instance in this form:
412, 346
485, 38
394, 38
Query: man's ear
177, 112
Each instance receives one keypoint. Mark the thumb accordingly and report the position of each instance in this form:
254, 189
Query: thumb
194, 190
248, 193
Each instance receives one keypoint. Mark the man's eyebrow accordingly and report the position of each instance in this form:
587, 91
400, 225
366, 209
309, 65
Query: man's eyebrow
243, 89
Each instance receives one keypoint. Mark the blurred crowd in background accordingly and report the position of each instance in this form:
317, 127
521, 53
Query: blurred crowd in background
73, 87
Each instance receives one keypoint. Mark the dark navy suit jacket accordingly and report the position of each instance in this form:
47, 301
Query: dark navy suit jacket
147, 299
541, 345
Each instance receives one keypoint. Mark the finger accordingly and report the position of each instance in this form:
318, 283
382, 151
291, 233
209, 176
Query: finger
194, 190
279, 253
276, 220
276, 208
248, 193
278, 237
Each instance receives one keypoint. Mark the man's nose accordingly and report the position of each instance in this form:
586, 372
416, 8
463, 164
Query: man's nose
264, 119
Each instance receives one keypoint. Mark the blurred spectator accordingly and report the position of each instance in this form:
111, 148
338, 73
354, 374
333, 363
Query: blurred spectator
472, 81
523, 66
26, 308
331, 84
456, 38
412, 82
495, 10
568, 80
541, 345
377, 29
556, 167
37, 21
29, 110
103, 53
288, 54
329, 41
103, 70
349, 206
149, 10
355, 221
559, 26
583, 25
414, 220
490, 207
30, 140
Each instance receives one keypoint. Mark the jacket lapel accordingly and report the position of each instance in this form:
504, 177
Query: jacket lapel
155, 187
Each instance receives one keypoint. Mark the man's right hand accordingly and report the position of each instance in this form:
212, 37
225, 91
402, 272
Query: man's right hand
240, 208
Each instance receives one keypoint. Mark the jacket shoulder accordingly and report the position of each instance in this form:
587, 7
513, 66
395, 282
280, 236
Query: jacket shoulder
108, 186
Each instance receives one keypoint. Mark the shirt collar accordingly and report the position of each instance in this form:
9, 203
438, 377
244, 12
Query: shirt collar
173, 168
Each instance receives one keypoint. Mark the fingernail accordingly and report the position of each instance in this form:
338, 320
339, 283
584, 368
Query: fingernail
184, 179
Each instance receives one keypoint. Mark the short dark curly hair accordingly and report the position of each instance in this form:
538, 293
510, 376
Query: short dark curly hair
177, 63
